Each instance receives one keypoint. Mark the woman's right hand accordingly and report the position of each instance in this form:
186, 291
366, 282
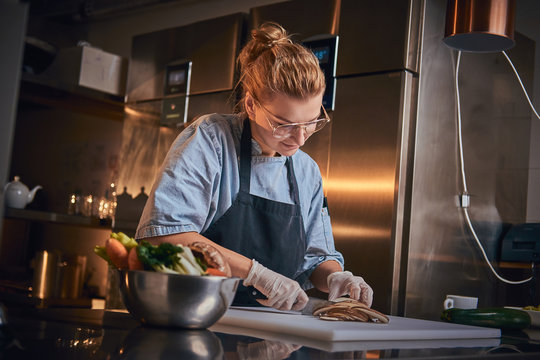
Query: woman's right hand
282, 292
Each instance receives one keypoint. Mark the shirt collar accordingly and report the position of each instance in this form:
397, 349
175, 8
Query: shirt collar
255, 148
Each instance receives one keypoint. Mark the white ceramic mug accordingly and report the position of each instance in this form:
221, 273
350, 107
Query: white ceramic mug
460, 302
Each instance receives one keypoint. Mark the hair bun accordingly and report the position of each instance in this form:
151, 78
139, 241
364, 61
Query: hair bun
271, 63
270, 34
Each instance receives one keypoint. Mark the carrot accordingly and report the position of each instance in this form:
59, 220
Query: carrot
117, 253
133, 260
215, 272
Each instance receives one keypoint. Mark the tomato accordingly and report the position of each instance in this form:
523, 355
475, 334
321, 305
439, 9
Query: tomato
215, 272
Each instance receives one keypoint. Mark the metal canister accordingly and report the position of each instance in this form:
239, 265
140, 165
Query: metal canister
71, 277
45, 274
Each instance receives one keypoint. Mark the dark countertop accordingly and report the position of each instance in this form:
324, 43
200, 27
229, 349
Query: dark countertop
62, 333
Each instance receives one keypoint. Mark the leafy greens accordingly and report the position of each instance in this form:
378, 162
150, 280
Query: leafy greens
169, 258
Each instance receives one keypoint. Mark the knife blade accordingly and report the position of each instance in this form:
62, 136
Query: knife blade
315, 303
312, 304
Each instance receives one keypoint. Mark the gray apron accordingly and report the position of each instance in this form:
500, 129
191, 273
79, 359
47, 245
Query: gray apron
268, 231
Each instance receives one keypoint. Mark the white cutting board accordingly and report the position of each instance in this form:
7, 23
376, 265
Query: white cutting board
308, 326
360, 345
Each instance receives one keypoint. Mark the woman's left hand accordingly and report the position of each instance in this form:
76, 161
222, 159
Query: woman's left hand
345, 283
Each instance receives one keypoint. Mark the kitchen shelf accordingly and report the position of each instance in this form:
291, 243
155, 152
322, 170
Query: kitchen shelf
76, 220
44, 216
51, 93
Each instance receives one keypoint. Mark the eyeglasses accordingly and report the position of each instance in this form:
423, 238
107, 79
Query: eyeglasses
287, 130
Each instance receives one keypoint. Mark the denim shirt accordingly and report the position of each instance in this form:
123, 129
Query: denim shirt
199, 180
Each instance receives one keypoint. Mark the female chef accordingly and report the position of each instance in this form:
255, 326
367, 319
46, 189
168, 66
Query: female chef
240, 182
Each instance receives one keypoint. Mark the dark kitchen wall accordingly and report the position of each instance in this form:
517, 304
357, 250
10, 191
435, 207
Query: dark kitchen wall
443, 257
12, 27
65, 139
66, 151
527, 24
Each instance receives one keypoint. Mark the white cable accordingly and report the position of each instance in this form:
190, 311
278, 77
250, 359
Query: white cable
462, 165
485, 255
460, 137
521, 83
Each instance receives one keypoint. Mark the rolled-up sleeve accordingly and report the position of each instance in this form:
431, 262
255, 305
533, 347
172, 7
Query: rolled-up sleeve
184, 193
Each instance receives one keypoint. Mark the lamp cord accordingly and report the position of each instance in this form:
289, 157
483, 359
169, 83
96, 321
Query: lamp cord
521, 83
465, 194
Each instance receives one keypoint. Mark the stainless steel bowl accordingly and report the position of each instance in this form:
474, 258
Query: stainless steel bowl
186, 301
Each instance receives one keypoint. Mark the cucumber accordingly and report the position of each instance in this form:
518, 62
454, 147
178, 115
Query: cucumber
502, 318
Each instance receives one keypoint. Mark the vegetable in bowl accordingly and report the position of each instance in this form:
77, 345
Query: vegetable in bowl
197, 258
169, 258
170, 284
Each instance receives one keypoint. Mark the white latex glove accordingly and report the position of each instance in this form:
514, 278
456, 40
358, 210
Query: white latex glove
282, 292
345, 283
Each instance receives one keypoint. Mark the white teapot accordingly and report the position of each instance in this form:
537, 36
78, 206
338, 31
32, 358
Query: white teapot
17, 195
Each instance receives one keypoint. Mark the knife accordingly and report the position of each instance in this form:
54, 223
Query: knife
315, 303
312, 304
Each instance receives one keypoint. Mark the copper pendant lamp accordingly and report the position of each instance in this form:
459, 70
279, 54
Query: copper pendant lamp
480, 25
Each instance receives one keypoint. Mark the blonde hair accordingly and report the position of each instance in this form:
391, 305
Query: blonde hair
271, 63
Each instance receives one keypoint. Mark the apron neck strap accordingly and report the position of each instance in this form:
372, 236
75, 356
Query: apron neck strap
245, 157
293, 186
